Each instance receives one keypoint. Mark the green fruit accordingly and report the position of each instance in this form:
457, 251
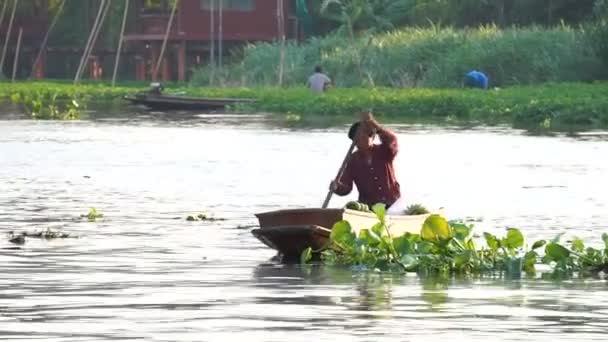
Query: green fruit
353, 205
358, 206
416, 209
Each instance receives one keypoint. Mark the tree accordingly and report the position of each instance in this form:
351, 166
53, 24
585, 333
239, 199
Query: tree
376, 15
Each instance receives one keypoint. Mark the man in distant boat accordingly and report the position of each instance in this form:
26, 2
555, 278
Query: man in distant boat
370, 167
318, 82
156, 89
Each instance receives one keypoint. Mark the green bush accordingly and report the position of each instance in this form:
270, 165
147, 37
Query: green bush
430, 57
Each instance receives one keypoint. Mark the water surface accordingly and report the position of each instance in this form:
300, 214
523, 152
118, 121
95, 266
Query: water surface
144, 273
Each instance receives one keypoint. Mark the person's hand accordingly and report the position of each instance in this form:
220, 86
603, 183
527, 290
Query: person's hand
366, 116
333, 186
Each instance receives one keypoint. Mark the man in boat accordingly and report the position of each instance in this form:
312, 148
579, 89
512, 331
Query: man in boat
156, 89
318, 82
370, 167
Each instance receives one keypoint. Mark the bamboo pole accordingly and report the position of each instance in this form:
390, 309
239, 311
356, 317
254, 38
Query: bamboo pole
164, 46
89, 40
46, 37
3, 12
16, 59
120, 40
220, 40
8, 36
212, 41
281, 32
94, 41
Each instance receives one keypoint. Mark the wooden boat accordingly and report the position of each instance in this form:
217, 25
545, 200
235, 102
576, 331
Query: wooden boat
172, 102
292, 231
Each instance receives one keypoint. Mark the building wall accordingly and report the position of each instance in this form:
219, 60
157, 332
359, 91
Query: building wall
258, 24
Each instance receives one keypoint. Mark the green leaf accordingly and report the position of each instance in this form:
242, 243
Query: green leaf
342, 233
379, 229
436, 228
530, 262
492, 241
380, 210
514, 239
470, 245
605, 239
386, 242
369, 238
306, 256
578, 245
409, 261
461, 231
462, 259
424, 247
329, 257
539, 244
556, 252
403, 246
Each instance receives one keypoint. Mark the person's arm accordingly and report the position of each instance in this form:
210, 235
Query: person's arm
388, 138
327, 81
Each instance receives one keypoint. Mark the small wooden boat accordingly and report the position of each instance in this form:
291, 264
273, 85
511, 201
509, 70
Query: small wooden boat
172, 102
291, 231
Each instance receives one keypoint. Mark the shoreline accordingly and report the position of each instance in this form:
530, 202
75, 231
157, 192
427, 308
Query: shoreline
549, 106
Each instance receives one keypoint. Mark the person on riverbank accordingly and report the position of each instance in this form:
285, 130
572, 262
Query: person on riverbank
318, 81
476, 79
370, 167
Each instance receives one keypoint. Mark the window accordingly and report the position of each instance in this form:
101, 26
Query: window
229, 5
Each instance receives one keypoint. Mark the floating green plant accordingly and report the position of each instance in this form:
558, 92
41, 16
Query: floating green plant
93, 215
47, 234
445, 248
203, 217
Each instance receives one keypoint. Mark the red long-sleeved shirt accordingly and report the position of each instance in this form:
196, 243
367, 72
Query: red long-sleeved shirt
375, 181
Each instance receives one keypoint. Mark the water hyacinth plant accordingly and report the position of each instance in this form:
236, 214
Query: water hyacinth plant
93, 215
40, 106
445, 248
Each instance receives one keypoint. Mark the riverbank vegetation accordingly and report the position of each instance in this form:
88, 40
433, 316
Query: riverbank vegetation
550, 106
445, 248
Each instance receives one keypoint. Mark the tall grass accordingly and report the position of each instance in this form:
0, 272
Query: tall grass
430, 57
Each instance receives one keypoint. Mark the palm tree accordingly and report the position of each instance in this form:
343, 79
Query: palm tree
375, 15
370, 15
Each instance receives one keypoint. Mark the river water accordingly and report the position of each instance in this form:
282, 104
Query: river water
142, 272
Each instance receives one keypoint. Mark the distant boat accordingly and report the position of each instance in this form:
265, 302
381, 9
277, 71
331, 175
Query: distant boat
154, 99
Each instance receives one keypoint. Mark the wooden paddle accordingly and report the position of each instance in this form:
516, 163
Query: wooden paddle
330, 193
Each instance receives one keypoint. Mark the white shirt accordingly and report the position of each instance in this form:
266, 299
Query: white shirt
317, 81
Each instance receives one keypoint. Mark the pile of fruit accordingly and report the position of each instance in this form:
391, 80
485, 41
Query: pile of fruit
414, 209
354, 205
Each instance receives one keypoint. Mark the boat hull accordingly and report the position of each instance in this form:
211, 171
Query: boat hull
164, 102
291, 231
291, 241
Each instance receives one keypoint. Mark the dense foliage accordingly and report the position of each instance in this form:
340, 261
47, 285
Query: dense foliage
444, 248
386, 14
427, 58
